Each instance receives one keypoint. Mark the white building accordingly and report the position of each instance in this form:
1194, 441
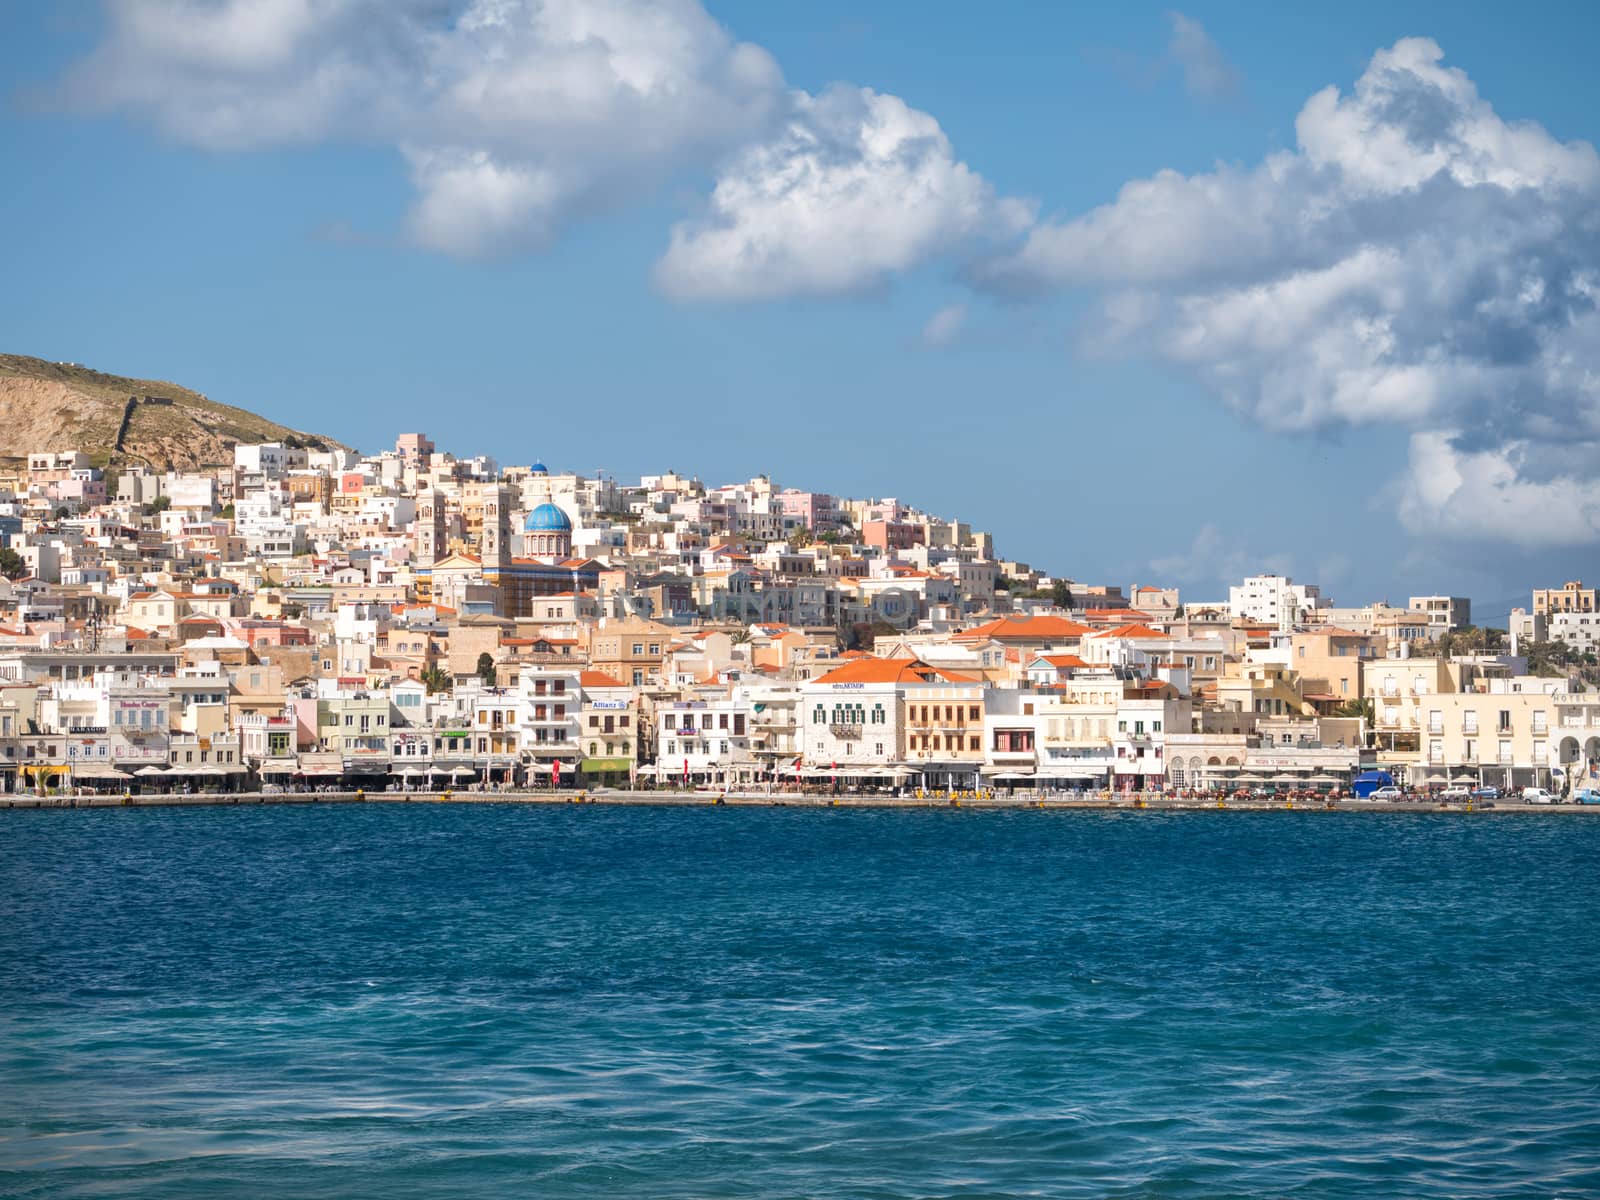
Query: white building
1580, 631
1274, 600
1445, 613
706, 741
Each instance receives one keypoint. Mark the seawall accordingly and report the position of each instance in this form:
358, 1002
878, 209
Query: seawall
763, 800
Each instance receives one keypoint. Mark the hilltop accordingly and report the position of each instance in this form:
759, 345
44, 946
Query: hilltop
121, 421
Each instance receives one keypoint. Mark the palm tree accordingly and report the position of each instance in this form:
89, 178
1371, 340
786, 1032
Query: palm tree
436, 679
1356, 708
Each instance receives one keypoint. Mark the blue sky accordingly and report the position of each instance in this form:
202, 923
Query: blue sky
1371, 362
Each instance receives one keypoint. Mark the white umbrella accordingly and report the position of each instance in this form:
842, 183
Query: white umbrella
147, 771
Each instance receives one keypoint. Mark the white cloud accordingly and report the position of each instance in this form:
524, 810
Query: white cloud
1487, 493
1206, 73
1416, 262
944, 325
858, 185
517, 117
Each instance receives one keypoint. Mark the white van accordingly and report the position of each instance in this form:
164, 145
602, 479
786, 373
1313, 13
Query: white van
1537, 796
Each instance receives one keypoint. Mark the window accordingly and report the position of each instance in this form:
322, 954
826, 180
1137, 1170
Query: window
1505, 721
1469, 722
638, 648
1435, 721
1505, 750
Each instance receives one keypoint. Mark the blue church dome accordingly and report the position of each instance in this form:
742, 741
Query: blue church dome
539, 468
547, 518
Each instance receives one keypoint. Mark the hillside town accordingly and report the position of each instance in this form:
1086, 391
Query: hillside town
308, 619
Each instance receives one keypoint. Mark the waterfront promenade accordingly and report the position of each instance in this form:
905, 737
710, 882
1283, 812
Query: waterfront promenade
1152, 803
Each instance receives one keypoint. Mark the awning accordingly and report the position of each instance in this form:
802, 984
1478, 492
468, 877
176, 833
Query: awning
97, 771
278, 768
1013, 775
148, 772
600, 766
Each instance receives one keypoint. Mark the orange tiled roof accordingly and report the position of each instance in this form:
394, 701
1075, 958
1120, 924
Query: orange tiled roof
891, 670
1024, 629
598, 679
1135, 632
1064, 660
1102, 615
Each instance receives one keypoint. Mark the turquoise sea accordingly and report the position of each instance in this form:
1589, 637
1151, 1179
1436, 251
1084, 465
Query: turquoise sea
481, 1001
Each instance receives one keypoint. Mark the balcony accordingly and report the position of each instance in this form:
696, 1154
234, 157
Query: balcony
848, 733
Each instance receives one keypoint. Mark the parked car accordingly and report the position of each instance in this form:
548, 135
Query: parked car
1537, 795
1586, 796
1388, 793
1486, 793
1459, 792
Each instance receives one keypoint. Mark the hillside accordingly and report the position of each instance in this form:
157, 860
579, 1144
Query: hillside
120, 421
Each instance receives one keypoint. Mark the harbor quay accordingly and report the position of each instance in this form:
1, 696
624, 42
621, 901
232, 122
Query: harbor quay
983, 800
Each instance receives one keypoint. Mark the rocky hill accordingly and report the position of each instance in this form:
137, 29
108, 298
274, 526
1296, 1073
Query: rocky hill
119, 421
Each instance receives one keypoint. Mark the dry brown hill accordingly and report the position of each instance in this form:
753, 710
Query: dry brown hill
119, 421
